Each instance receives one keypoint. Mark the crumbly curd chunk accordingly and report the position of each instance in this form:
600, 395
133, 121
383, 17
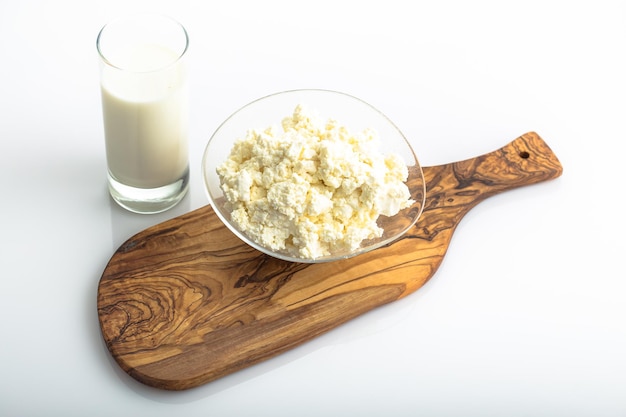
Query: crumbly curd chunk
312, 187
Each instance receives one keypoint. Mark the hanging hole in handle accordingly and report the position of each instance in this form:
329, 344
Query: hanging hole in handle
524, 155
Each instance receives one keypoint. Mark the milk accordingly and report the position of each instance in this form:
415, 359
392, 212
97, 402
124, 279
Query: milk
145, 116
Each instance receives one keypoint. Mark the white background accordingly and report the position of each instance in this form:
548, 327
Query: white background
525, 317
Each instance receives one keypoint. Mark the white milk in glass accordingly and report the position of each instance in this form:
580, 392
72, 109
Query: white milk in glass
144, 102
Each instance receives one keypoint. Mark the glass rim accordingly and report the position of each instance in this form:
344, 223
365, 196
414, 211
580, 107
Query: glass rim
179, 56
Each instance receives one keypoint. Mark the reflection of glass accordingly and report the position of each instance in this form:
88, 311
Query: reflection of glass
145, 111
124, 225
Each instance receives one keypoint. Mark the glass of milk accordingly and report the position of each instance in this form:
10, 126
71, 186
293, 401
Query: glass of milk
145, 111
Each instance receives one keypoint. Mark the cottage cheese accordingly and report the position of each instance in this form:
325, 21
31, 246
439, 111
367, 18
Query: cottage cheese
312, 187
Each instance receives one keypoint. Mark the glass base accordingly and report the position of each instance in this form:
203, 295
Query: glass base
148, 200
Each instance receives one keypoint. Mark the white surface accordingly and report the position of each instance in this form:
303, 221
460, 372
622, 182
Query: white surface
525, 315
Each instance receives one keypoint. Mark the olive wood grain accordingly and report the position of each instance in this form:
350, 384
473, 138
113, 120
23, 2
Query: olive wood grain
185, 302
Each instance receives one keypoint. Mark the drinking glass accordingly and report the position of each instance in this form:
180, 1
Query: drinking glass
145, 111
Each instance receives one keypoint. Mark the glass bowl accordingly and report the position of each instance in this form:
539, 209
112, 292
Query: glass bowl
348, 111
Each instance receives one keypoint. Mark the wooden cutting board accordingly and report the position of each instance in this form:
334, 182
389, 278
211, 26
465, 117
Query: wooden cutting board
186, 302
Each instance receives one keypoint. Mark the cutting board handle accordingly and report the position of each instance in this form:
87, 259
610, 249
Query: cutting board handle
524, 161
